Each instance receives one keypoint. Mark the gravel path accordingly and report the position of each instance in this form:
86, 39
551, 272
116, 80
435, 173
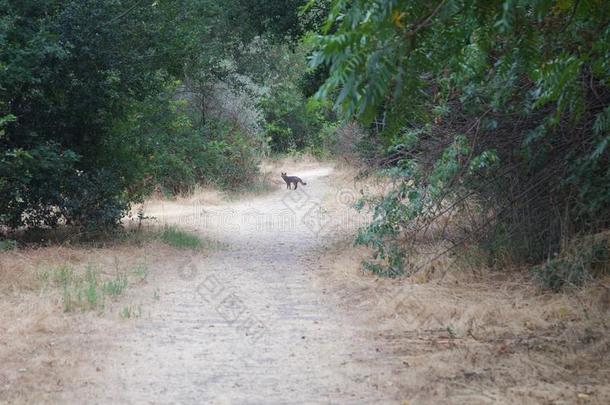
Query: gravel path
247, 323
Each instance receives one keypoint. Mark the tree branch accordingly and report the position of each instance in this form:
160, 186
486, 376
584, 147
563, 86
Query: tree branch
125, 13
426, 20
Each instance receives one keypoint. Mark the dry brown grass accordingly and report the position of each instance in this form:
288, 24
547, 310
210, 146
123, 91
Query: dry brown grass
454, 333
203, 195
43, 347
479, 337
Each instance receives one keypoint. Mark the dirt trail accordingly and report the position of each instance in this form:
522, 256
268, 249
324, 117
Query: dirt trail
275, 311
248, 323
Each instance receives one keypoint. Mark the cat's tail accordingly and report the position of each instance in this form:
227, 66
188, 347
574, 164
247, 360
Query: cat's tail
303, 183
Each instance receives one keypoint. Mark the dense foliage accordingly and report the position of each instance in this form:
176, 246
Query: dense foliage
491, 117
291, 122
103, 100
493, 112
69, 68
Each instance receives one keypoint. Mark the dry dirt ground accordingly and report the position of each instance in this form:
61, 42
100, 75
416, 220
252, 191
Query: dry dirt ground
277, 311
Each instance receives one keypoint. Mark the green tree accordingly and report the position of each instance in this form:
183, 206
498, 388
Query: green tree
77, 79
521, 85
70, 69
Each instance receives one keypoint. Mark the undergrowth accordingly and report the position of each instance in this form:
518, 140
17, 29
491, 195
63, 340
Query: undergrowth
575, 265
180, 239
88, 291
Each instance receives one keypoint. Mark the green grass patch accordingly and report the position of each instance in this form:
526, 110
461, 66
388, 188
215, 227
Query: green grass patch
140, 271
258, 187
116, 286
131, 311
86, 291
7, 244
180, 239
91, 289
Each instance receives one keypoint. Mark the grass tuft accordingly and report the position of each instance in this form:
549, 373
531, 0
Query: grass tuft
8, 244
180, 239
131, 311
116, 286
83, 292
140, 271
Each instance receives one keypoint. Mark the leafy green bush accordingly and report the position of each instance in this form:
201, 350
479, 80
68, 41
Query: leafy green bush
33, 185
482, 116
69, 72
42, 187
231, 158
94, 201
292, 122
90, 123
161, 143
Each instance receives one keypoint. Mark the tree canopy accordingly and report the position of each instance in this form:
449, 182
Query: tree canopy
504, 100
